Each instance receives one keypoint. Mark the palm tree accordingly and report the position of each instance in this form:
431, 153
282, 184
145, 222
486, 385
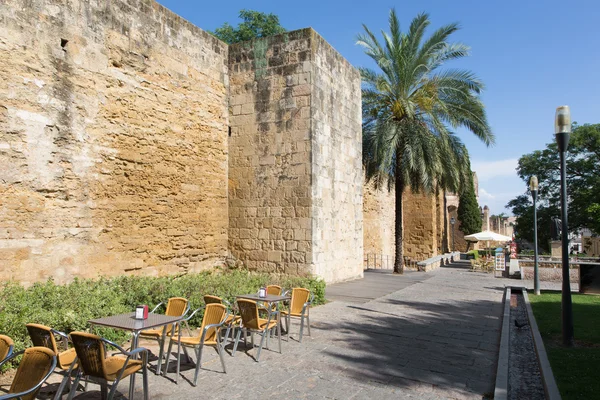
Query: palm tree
409, 109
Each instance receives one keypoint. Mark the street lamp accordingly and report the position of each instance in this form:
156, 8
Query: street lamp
452, 221
562, 129
533, 187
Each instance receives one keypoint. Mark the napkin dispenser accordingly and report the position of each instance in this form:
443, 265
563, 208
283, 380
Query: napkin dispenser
141, 312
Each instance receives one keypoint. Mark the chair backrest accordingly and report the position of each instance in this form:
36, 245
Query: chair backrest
41, 335
208, 299
249, 313
90, 353
274, 290
176, 307
299, 297
35, 366
6, 345
213, 314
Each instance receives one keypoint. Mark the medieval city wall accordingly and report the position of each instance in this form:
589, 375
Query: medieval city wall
379, 225
270, 201
295, 190
336, 162
113, 141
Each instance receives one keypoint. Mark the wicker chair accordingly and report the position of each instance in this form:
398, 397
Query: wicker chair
45, 336
6, 347
93, 363
251, 322
232, 322
299, 308
176, 307
35, 367
215, 316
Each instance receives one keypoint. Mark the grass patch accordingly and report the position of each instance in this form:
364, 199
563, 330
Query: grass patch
575, 369
68, 307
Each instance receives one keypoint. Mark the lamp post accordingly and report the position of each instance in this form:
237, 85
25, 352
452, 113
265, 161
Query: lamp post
452, 221
562, 129
533, 187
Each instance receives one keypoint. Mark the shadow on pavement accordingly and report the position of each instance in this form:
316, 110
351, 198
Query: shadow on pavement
443, 347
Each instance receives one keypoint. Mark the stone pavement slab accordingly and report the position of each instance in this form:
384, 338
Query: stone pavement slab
431, 335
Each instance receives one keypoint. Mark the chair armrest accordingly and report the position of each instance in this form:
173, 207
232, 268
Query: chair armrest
64, 337
158, 305
33, 389
191, 315
10, 357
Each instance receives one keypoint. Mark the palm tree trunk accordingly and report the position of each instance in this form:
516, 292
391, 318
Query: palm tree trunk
399, 188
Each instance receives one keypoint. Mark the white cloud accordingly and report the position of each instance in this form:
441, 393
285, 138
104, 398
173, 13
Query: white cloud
487, 170
485, 195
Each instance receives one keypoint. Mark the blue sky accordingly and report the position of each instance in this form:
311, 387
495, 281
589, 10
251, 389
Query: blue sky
532, 55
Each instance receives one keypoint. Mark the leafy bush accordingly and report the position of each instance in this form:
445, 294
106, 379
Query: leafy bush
68, 307
473, 254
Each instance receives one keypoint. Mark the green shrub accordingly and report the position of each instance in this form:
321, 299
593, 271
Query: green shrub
68, 307
474, 254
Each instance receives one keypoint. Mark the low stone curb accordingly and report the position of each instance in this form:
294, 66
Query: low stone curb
550, 387
437, 261
501, 390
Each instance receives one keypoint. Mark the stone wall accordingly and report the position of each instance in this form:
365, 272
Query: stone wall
113, 141
420, 222
337, 179
378, 221
295, 190
270, 200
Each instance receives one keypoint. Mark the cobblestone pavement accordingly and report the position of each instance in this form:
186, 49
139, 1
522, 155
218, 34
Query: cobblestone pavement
434, 338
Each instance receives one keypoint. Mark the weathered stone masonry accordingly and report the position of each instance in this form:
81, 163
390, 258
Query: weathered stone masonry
113, 141
295, 187
114, 153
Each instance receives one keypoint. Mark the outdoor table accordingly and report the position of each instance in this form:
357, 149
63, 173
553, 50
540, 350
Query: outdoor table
128, 322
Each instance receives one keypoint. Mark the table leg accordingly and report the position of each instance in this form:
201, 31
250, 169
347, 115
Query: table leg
134, 345
161, 349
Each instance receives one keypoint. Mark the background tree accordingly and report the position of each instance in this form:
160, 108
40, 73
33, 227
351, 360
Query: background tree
255, 25
468, 210
583, 185
409, 106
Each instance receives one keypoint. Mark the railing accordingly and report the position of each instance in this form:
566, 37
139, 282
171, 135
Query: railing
378, 261
384, 261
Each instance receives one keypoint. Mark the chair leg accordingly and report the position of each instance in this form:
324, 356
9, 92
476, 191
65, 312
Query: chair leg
224, 343
279, 333
161, 351
168, 359
268, 333
262, 338
178, 361
220, 351
308, 323
237, 339
72, 392
113, 389
145, 380
62, 386
301, 328
198, 364
288, 325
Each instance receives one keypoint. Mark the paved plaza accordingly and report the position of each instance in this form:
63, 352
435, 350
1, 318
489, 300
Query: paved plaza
421, 335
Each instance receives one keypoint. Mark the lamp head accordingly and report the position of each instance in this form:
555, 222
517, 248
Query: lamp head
533, 183
452, 220
562, 121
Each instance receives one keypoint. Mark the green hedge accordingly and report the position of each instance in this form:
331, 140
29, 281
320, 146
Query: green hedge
69, 307
473, 254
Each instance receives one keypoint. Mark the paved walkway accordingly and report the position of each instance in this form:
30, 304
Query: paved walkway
419, 336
